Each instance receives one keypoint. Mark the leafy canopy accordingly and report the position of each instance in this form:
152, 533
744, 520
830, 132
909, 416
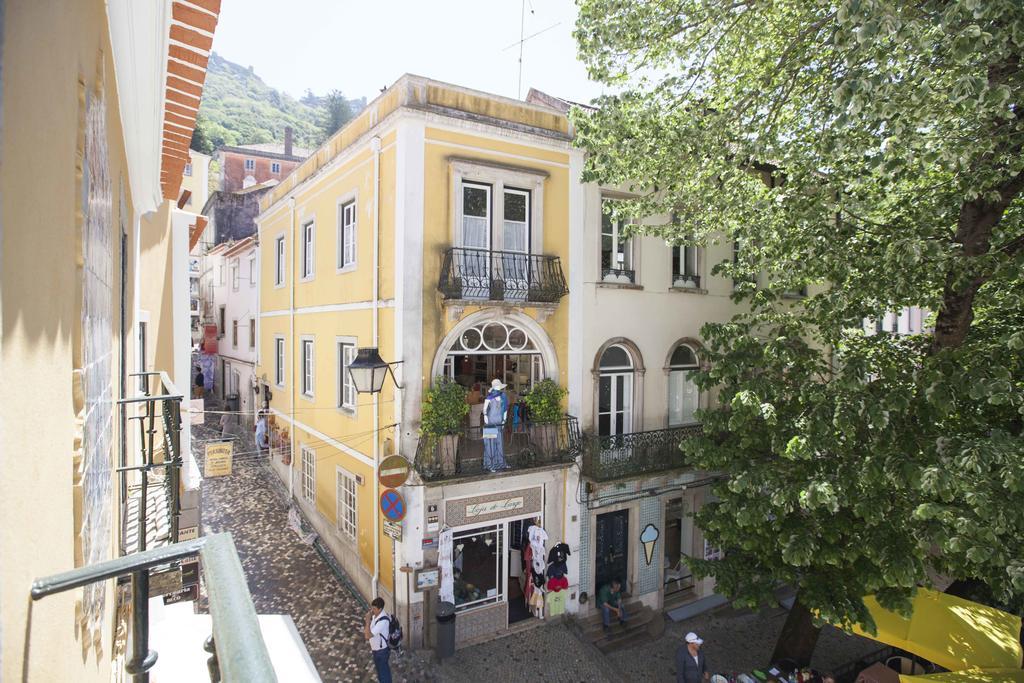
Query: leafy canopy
871, 149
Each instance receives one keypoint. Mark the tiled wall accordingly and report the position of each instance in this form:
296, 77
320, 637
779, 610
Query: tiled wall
647, 579
480, 622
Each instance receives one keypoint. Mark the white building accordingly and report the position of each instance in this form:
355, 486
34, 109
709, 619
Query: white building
229, 291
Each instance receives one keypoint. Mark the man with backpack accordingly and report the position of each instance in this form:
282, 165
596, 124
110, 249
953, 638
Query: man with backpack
384, 633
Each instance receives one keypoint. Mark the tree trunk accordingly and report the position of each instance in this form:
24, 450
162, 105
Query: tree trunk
798, 638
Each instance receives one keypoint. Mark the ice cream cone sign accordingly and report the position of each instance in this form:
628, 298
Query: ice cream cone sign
649, 536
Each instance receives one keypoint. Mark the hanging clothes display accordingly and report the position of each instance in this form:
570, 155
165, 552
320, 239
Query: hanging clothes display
557, 569
444, 563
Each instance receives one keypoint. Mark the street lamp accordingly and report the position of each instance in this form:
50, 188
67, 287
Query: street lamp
368, 371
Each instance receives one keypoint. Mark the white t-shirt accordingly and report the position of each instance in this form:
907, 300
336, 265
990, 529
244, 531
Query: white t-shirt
379, 629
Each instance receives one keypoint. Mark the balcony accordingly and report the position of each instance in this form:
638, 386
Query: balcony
504, 276
685, 281
457, 456
627, 455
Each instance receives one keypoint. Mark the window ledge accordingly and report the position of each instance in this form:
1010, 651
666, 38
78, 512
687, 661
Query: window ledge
619, 285
307, 397
688, 290
351, 268
345, 410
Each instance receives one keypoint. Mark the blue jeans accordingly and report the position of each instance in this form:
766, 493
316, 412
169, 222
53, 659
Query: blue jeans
606, 614
381, 662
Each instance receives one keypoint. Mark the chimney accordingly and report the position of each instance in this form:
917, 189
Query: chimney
288, 140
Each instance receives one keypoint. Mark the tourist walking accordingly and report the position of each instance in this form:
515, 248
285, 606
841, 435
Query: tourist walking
691, 666
377, 626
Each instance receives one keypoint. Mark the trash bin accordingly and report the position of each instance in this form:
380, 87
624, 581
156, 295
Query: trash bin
445, 630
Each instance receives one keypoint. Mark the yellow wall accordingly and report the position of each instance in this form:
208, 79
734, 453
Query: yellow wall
40, 305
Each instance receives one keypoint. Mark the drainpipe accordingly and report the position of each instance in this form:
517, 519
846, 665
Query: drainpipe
375, 146
291, 340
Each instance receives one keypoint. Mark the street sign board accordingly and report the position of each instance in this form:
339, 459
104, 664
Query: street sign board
218, 459
393, 530
393, 472
392, 505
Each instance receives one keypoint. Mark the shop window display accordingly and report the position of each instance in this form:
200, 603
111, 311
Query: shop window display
477, 561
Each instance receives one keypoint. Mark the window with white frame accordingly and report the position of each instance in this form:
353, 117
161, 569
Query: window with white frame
188, 169
308, 237
347, 235
307, 367
683, 394
476, 216
615, 392
275, 167
684, 266
252, 270
711, 553
279, 361
616, 251
252, 333
346, 500
309, 474
234, 334
279, 261
250, 164
481, 549
346, 389
220, 273
234, 275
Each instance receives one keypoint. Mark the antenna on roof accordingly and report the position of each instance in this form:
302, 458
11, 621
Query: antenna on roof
522, 39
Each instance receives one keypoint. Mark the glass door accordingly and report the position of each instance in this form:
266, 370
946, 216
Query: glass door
515, 259
476, 241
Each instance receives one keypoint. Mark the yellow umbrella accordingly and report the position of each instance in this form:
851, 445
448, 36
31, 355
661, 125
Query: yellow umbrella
970, 676
952, 632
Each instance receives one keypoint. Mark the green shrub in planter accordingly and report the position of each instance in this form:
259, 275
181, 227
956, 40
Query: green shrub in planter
444, 408
544, 401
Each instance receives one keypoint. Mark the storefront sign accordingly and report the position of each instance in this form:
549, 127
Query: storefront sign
218, 459
190, 594
393, 530
427, 578
188, 533
494, 506
195, 411
393, 472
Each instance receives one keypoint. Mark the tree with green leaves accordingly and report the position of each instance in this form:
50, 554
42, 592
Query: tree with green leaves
200, 139
872, 150
336, 113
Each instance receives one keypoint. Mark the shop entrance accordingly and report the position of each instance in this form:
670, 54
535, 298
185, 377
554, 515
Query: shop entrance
678, 578
612, 549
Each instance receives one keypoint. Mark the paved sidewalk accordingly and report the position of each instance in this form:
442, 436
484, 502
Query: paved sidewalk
285, 575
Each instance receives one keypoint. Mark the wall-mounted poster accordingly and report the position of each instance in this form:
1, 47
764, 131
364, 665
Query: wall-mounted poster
427, 578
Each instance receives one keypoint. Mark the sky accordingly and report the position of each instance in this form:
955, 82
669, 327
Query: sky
361, 47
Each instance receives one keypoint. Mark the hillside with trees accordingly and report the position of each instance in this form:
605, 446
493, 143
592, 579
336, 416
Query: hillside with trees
238, 108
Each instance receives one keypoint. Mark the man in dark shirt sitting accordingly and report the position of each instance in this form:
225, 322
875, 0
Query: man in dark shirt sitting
609, 599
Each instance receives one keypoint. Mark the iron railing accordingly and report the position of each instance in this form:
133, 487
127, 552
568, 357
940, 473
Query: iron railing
619, 275
158, 415
481, 274
238, 652
524, 446
626, 455
685, 281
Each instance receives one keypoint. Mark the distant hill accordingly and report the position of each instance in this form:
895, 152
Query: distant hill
238, 108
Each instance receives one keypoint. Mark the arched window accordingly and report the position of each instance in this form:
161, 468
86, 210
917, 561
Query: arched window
683, 395
615, 392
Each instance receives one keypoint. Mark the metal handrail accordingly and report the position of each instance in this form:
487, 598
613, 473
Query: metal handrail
625, 455
511, 276
240, 651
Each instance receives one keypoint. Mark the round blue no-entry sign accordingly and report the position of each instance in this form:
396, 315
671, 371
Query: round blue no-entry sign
392, 505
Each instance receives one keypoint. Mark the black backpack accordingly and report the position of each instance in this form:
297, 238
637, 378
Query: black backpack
394, 632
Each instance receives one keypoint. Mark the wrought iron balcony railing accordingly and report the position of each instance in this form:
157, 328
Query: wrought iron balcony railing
238, 651
685, 281
626, 455
624, 276
157, 412
453, 456
480, 274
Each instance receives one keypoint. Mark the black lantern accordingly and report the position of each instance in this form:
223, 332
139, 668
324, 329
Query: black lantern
368, 371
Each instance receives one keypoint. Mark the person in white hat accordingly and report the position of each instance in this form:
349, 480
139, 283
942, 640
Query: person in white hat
691, 666
495, 410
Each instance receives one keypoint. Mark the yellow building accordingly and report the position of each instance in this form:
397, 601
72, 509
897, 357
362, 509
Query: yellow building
434, 227
99, 99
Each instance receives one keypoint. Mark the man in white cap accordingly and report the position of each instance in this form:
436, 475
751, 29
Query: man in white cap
495, 410
691, 667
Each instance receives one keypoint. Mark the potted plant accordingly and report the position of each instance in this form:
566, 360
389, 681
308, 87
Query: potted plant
444, 410
544, 402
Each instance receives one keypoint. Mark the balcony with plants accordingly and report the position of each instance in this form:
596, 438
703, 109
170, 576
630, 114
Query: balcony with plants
451, 446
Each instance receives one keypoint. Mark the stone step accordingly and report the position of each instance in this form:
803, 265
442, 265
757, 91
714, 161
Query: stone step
637, 620
627, 638
633, 607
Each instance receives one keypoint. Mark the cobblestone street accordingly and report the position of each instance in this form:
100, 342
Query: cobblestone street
285, 575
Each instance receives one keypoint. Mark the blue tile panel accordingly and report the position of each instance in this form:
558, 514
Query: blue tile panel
647, 579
